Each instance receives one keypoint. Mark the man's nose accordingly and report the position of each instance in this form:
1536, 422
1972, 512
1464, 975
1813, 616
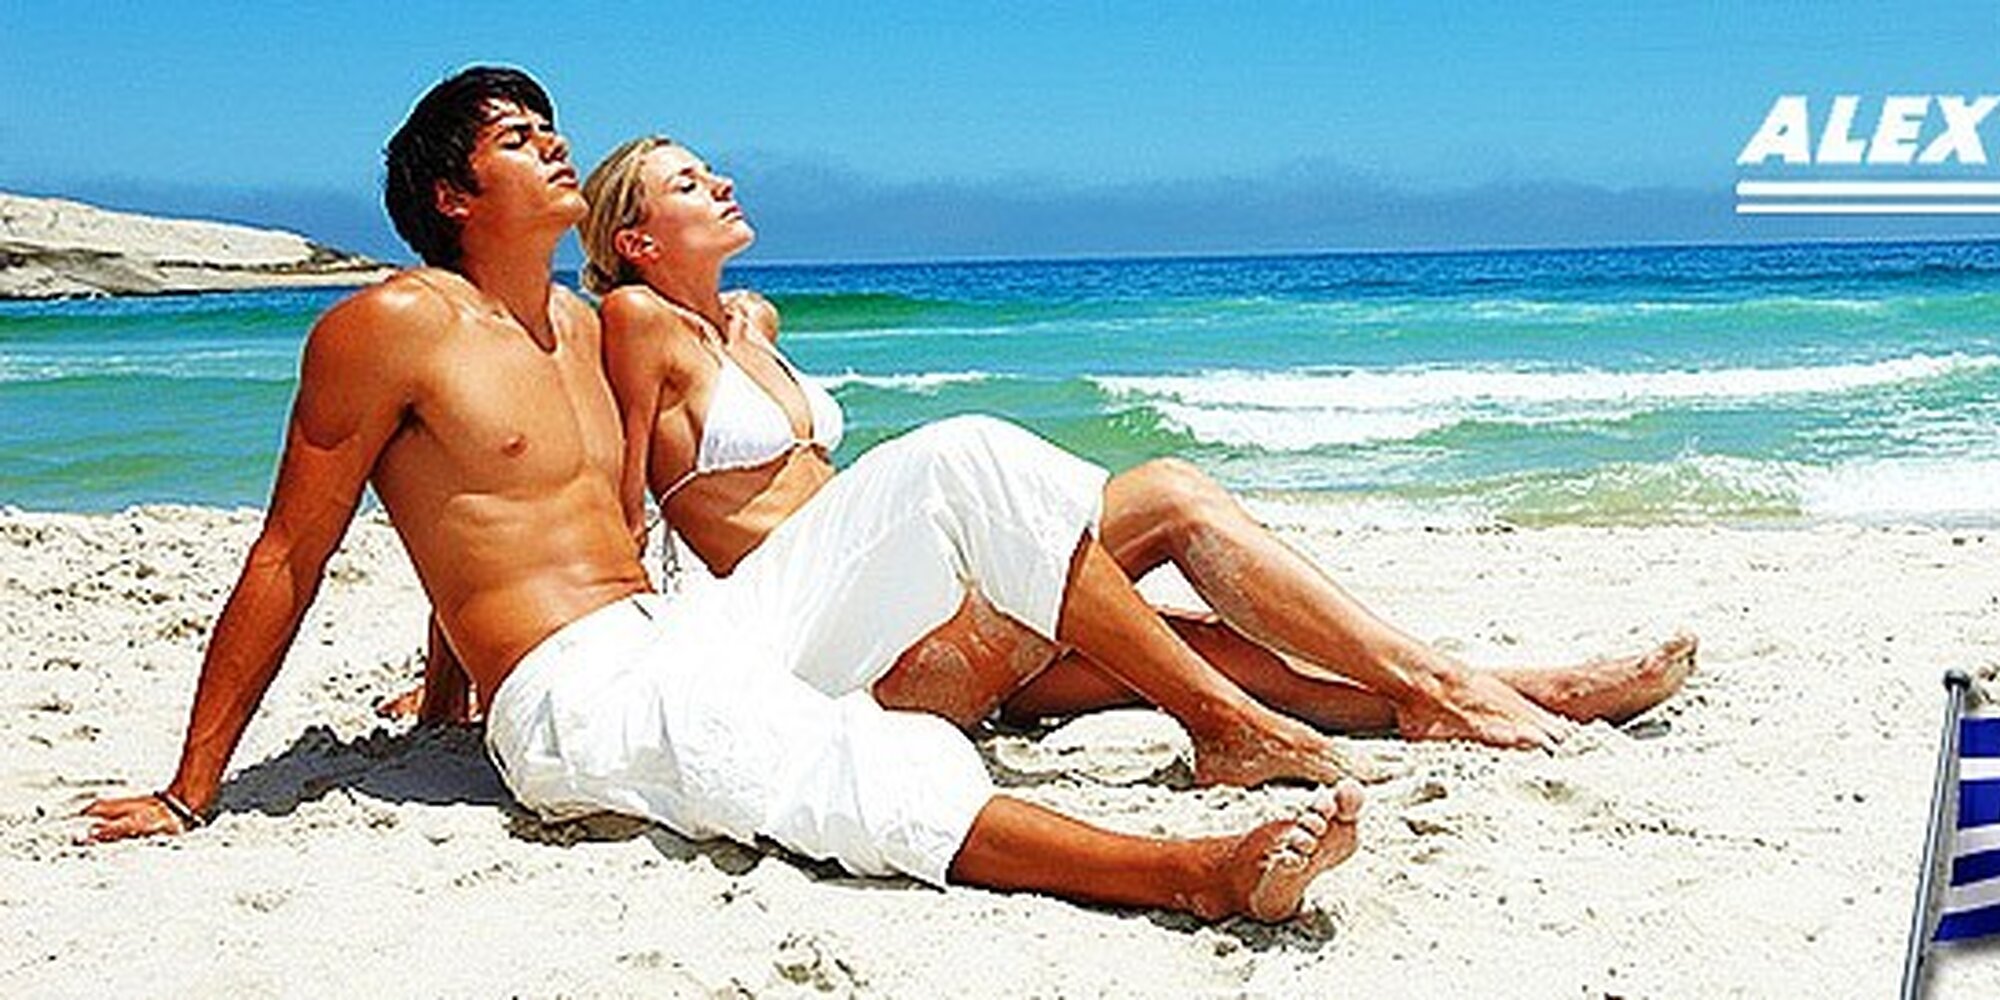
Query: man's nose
555, 147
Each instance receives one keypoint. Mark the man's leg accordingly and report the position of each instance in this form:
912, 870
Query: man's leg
1168, 511
1261, 874
674, 714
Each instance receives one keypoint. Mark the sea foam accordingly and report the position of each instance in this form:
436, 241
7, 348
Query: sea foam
1298, 410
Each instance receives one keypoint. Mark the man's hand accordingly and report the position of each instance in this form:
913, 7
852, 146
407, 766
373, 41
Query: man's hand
123, 819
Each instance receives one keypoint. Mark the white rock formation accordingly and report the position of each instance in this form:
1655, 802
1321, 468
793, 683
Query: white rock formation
50, 247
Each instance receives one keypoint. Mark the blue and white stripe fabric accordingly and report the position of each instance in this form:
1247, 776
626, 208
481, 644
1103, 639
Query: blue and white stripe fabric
1972, 902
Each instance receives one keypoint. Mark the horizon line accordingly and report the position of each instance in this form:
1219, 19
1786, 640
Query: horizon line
1416, 251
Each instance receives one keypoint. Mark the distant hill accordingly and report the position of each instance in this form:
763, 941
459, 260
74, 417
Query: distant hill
52, 248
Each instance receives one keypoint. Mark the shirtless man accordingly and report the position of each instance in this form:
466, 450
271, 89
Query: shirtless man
469, 393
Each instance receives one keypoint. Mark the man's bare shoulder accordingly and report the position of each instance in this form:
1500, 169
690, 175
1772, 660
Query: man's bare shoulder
386, 334
572, 304
407, 302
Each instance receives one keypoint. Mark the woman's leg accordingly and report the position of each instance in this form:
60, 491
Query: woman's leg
981, 662
1237, 741
883, 556
1612, 690
1168, 511
1074, 684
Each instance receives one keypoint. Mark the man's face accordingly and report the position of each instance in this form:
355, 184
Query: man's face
522, 165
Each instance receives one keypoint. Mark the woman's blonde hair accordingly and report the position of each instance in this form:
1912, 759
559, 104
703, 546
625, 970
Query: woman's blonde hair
617, 196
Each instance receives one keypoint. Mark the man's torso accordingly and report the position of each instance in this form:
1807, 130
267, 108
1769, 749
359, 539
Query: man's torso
502, 478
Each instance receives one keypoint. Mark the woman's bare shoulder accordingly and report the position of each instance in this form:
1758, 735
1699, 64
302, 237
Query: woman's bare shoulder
638, 311
642, 328
763, 316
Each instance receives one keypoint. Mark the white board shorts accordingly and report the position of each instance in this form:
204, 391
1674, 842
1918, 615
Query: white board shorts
742, 709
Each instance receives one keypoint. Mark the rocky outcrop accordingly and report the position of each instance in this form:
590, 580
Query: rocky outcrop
52, 248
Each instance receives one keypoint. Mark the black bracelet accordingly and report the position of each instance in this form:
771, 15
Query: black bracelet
190, 820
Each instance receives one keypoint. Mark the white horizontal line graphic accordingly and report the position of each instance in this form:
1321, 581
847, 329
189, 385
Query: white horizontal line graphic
1868, 189
1867, 208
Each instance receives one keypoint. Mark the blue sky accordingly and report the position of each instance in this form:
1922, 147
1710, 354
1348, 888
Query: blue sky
907, 130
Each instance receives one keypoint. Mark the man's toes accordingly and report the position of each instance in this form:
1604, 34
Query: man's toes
1315, 822
1298, 842
1347, 799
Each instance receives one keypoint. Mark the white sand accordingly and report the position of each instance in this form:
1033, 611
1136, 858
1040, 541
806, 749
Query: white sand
1757, 837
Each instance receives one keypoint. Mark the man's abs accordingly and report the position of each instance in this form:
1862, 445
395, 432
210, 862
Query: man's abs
503, 574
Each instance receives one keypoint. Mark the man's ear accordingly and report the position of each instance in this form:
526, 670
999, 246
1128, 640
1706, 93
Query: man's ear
451, 202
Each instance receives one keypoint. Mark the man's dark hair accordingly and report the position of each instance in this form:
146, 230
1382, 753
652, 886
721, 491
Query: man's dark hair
435, 144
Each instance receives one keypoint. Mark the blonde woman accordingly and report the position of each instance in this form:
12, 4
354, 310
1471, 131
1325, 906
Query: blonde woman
734, 442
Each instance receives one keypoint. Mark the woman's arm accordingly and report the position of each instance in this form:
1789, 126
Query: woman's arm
645, 347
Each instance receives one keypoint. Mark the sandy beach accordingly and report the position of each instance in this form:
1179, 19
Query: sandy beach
1755, 837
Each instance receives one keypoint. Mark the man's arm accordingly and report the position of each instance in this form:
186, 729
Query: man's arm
354, 389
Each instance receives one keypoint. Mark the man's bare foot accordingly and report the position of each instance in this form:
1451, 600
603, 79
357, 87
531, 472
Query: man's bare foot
1480, 707
1613, 689
1278, 749
1266, 871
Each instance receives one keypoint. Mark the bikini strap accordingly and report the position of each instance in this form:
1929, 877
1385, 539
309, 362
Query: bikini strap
711, 338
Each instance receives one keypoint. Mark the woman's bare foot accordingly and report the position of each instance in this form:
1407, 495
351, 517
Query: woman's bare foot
425, 706
1274, 748
1265, 873
1477, 706
1613, 689
398, 707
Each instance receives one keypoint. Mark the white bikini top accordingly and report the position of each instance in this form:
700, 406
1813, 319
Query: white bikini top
745, 428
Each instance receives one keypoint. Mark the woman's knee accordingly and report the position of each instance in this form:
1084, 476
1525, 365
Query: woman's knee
954, 437
1184, 490
979, 448
1167, 501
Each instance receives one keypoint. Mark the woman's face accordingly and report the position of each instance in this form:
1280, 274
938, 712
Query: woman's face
690, 211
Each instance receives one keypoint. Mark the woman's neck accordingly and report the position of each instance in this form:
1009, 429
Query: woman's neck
698, 291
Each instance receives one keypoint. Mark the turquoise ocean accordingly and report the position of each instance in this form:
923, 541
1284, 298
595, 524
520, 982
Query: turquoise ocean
1641, 385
